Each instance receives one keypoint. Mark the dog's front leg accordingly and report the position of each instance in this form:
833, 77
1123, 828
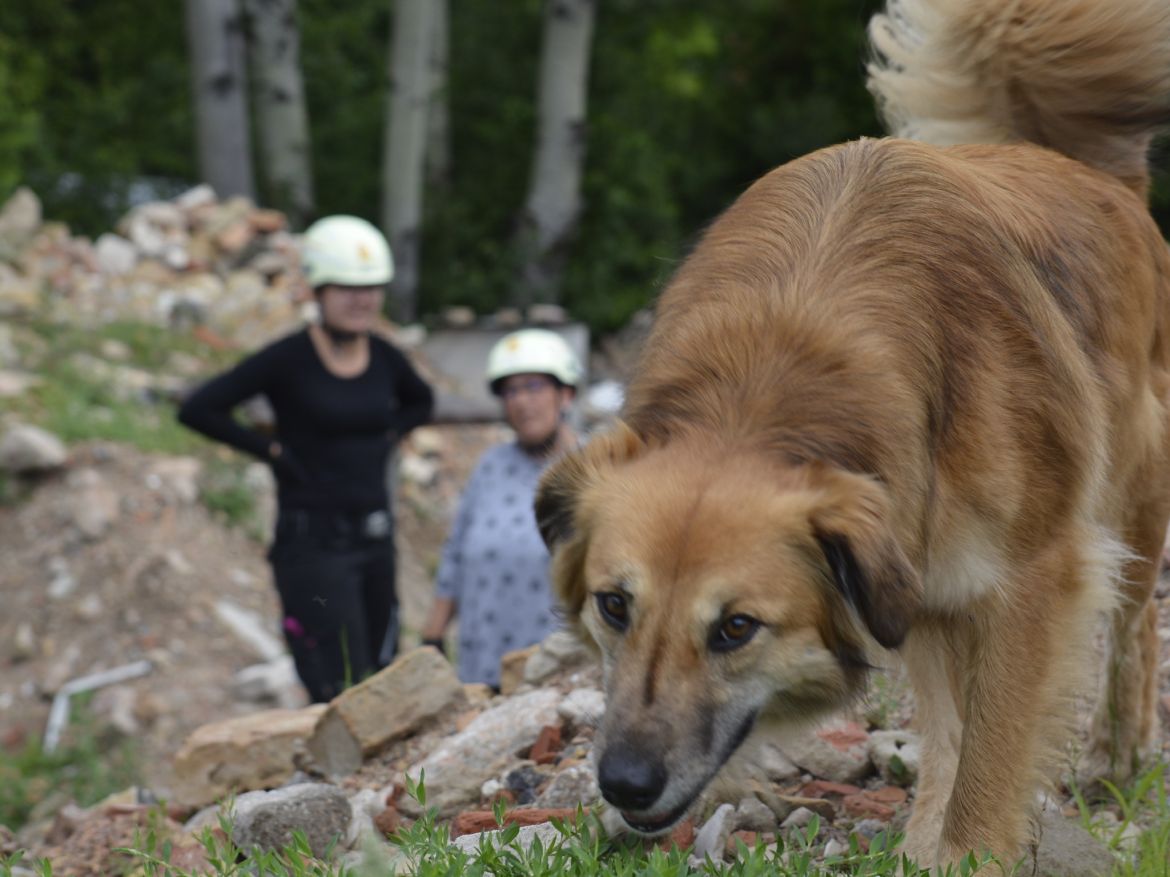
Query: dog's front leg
1016, 695
931, 655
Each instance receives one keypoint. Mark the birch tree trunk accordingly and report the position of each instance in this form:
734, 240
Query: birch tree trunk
215, 39
438, 150
405, 147
275, 51
554, 190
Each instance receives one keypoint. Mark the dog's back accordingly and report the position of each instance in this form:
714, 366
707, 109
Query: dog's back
934, 374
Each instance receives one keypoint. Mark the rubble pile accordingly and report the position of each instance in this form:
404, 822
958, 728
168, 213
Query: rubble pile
196, 260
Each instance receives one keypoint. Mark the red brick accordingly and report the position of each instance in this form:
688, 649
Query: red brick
827, 788
892, 795
748, 838
547, 745
388, 821
475, 821
844, 737
863, 807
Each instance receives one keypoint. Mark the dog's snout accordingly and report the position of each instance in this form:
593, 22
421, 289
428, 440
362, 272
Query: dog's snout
629, 778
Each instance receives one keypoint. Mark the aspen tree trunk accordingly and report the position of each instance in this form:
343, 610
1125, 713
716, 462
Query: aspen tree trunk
554, 194
215, 39
405, 147
438, 151
275, 52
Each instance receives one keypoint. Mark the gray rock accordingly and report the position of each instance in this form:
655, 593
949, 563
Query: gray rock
798, 818
20, 219
752, 814
1067, 850
583, 707
14, 383
459, 767
539, 666
177, 478
116, 256
365, 805
712, 837
835, 848
273, 682
812, 753
459, 317
63, 582
267, 820
392, 703
26, 448
96, 505
572, 786
896, 755
524, 839
774, 764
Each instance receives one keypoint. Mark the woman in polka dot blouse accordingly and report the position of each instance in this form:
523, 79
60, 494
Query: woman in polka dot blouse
493, 572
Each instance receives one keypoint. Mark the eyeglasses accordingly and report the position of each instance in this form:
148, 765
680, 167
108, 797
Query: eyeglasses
528, 387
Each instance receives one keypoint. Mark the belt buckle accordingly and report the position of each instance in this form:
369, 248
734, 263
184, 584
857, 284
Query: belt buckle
376, 525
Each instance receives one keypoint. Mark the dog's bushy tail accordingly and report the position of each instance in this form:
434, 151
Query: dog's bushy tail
1088, 78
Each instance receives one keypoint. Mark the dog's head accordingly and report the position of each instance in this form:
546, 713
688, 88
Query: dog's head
720, 588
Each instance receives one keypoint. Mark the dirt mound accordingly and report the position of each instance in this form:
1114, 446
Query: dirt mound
115, 560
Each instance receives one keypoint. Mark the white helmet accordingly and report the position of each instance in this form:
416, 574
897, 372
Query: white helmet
532, 351
347, 251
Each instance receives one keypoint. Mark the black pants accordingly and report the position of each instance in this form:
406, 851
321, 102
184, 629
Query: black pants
337, 588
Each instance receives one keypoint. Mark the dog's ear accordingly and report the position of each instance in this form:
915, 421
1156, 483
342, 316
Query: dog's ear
562, 485
558, 507
869, 569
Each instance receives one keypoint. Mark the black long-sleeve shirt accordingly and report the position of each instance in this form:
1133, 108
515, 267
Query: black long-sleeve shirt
335, 433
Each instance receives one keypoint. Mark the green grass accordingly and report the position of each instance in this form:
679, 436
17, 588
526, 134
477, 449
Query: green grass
581, 848
223, 490
78, 405
88, 766
1140, 833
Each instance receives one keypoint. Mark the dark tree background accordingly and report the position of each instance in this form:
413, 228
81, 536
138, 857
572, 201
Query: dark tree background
688, 103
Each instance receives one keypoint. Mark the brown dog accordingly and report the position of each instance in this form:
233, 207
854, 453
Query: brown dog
904, 393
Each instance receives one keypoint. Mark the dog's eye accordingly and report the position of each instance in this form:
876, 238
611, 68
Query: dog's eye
614, 609
733, 632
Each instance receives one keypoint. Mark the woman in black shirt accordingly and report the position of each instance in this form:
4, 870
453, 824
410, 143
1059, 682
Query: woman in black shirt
342, 399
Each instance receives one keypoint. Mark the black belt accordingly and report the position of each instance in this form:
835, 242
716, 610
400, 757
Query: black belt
295, 523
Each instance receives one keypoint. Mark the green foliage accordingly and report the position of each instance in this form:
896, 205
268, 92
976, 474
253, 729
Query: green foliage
86, 767
688, 104
78, 404
1141, 836
104, 90
223, 490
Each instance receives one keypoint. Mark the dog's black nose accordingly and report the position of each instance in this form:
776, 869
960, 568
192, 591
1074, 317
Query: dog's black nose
629, 779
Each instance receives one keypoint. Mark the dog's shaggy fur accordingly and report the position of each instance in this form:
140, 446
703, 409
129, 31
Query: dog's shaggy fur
906, 392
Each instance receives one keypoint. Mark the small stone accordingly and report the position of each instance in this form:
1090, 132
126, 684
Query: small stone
712, 837
115, 255
267, 820
459, 317
835, 848
547, 315
752, 814
583, 708
798, 818
24, 644
26, 448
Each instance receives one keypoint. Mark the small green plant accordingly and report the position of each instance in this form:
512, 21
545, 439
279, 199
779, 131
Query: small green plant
153, 852
1141, 835
85, 769
224, 490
